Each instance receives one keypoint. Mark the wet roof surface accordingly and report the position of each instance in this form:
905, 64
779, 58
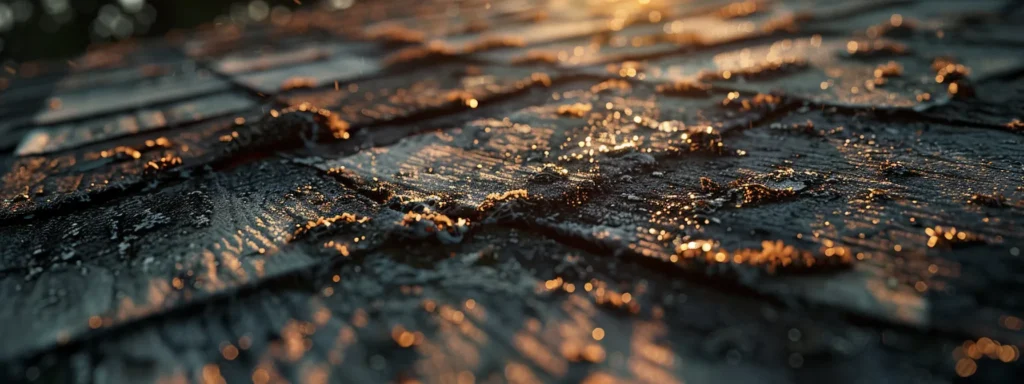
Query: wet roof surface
524, 191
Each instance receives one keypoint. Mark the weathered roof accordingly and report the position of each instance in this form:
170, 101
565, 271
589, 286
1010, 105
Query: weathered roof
523, 191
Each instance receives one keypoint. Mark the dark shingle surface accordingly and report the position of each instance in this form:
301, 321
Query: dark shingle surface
525, 191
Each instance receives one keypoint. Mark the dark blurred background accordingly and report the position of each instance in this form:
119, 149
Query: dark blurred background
54, 29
